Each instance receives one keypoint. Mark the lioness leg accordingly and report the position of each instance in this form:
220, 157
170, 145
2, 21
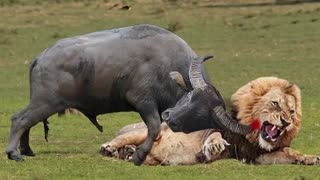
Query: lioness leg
134, 137
288, 156
213, 145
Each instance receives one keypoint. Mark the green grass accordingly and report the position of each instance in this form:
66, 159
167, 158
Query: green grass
247, 41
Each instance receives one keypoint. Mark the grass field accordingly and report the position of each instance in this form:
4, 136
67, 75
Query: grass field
248, 38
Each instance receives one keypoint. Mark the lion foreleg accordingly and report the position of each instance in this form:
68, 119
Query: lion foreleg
288, 156
122, 146
213, 145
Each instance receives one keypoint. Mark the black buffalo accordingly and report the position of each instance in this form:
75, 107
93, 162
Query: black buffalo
125, 69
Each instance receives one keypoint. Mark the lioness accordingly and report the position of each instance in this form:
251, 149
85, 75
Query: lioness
275, 103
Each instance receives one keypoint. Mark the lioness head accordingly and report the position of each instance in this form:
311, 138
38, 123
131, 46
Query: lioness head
276, 103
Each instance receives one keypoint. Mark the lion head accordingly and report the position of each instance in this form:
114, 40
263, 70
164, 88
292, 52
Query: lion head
276, 104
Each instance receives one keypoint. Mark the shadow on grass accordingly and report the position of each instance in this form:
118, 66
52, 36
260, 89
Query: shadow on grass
262, 4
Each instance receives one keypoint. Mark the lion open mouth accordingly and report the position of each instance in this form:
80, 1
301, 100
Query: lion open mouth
270, 132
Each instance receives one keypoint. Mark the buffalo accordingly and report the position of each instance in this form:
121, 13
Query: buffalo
124, 69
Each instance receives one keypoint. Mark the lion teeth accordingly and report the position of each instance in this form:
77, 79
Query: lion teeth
273, 128
281, 133
273, 140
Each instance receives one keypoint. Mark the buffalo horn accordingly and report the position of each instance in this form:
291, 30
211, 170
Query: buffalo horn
195, 73
228, 123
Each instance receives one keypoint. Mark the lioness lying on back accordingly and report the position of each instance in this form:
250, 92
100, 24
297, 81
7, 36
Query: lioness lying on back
274, 102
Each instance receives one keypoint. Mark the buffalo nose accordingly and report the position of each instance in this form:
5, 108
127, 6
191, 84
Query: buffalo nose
166, 115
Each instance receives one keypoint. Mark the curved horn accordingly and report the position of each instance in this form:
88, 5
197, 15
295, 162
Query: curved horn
195, 74
226, 122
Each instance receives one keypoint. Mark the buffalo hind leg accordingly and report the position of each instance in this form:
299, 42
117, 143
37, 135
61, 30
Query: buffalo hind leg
153, 121
24, 140
24, 144
20, 128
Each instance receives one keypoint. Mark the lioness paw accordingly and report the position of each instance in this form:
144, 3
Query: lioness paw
109, 150
126, 152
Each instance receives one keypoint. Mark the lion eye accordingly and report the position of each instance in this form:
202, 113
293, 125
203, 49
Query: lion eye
291, 111
275, 104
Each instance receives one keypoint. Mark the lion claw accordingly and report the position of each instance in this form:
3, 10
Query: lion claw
108, 150
214, 146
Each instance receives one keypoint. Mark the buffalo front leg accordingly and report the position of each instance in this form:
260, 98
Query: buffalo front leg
153, 121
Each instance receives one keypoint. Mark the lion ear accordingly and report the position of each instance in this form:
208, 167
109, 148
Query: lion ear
289, 87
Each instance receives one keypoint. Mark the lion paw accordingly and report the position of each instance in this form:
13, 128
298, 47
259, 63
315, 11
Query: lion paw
126, 152
309, 160
109, 150
213, 146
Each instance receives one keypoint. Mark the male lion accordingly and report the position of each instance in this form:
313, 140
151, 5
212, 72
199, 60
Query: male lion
275, 103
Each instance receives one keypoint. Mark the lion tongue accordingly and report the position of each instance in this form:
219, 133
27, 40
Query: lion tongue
271, 130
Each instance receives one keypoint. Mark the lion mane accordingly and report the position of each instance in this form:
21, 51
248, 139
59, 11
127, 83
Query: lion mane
248, 103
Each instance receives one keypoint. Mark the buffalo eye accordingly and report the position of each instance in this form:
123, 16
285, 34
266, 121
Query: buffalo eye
189, 94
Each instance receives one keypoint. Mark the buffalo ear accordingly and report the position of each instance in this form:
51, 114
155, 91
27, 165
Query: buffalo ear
177, 77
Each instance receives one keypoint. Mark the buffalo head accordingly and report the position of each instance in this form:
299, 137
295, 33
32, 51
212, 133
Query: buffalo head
201, 107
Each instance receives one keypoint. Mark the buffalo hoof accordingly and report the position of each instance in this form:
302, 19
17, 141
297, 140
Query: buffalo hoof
138, 157
27, 152
14, 155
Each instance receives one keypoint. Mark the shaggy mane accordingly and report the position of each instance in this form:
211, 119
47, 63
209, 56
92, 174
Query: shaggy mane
247, 97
